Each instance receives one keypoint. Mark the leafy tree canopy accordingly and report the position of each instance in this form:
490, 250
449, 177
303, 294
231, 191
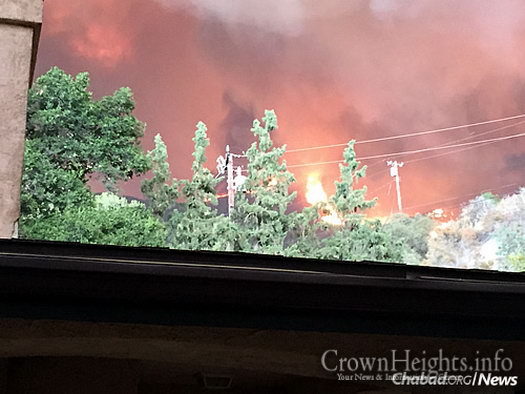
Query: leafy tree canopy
83, 135
412, 232
46, 188
365, 241
305, 236
489, 233
72, 137
111, 220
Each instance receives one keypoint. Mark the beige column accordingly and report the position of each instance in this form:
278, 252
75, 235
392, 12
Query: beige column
20, 22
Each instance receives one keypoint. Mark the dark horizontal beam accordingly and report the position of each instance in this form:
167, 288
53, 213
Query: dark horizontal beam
158, 286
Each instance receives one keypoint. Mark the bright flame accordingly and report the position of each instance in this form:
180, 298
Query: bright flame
333, 218
315, 194
314, 190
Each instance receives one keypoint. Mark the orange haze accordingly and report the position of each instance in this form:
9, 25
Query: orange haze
333, 71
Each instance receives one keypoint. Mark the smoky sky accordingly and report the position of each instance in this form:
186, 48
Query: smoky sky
333, 70
516, 163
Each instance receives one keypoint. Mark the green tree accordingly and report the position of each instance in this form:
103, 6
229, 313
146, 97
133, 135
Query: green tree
356, 238
365, 240
261, 209
110, 220
194, 224
517, 262
83, 135
511, 242
411, 232
71, 137
46, 188
349, 200
472, 240
161, 190
305, 237
510, 232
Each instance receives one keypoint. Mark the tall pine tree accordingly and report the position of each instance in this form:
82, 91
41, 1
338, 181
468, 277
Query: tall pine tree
356, 238
261, 208
160, 194
348, 199
194, 223
305, 237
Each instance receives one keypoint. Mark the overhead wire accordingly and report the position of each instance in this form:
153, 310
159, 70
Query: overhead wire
407, 135
467, 138
389, 183
443, 146
415, 151
450, 142
447, 145
460, 197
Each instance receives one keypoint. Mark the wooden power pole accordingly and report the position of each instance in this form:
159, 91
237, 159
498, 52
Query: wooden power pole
394, 172
233, 182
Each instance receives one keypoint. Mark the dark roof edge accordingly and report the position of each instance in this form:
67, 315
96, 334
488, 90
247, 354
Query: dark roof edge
158, 286
119, 255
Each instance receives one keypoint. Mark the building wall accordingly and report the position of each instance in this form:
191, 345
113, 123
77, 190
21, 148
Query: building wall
28, 11
19, 28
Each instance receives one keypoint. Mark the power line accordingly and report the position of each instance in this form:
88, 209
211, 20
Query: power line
449, 142
444, 145
473, 201
373, 174
447, 153
413, 134
389, 183
412, 152
460, 197
466, 138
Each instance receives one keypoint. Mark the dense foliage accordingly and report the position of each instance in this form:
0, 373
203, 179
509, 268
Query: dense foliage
46, 188
109, 220
161, 190
355, 238
194, 223
489, 233
261, 210
72, 138
412, 233
82, 135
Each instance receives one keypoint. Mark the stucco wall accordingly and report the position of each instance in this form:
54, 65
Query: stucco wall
21, 10
19, 22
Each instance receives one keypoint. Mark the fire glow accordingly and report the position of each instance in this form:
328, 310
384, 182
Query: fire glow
315, 194
339, 70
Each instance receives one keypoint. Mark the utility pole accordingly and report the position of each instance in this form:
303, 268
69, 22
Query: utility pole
229, 181
394, 172
233, 183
